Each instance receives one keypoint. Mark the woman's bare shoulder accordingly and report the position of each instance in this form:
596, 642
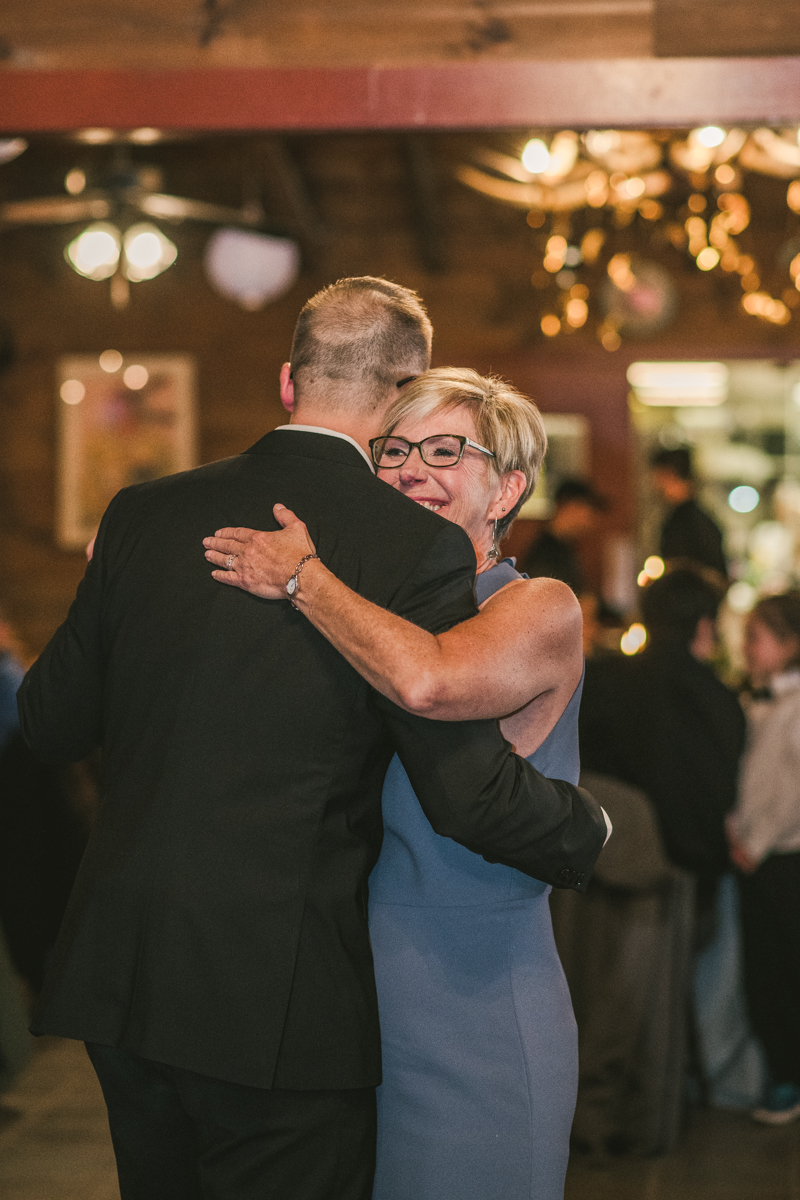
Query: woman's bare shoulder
541, 596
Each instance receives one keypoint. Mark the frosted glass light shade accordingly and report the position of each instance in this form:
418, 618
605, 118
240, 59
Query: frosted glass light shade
251, 268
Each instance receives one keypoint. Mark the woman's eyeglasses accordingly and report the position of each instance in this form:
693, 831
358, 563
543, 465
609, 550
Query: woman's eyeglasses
442, 450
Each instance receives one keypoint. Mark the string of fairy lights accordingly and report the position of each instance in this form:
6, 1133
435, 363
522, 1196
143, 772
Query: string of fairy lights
582, 192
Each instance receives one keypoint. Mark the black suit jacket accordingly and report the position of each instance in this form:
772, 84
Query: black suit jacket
689, 532
219, 919
664, 722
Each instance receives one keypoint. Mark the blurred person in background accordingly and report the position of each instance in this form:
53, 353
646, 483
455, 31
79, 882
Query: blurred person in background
688, 531
45, 813
764, 833
663, 722
554, 553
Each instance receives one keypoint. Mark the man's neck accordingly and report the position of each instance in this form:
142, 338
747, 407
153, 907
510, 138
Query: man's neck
359, 427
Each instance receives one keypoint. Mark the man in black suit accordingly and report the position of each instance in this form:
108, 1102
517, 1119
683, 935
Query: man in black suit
215, 955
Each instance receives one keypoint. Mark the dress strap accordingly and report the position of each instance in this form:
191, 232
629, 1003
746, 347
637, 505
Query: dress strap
489, 582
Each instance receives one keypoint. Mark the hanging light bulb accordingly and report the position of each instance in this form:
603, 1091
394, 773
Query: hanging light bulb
536, 157
147, 252
95, 252
710, 136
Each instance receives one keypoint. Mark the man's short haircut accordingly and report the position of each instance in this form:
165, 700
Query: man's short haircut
356, 339
673, 604
506, 422
678, 462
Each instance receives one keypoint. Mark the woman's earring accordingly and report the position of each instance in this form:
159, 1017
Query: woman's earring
495, 550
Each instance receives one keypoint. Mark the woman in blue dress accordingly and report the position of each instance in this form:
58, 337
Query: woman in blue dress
478, 1035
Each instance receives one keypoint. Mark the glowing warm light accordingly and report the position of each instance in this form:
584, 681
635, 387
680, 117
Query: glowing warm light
591, 244
95, 252
643, 579
697, 202
147, 252
710, 136
651, 210
110, 361
145, 137
620, 273
743, 499
536, 157
550, 325
760, 304
135, 377
725, 174
679, 384
634, 639
634, 188
72, 391
654, 566
95, 137
708, 258
577, 311
75, 182
610, 340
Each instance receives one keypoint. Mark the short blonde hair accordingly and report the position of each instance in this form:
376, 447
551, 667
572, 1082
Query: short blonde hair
506, 422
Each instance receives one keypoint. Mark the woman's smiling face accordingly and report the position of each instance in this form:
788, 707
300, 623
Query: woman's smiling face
466, 494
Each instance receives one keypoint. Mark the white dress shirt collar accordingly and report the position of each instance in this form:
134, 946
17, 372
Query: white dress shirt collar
333, 433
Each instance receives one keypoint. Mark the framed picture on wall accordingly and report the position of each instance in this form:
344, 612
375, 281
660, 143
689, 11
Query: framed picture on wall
122, 420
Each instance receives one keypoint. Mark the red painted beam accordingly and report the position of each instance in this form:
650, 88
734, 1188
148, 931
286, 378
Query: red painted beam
624, 92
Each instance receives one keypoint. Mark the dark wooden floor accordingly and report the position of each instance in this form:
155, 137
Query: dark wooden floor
54, 1145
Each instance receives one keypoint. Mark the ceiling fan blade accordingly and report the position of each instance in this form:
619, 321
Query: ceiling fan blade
53, 210
178, 208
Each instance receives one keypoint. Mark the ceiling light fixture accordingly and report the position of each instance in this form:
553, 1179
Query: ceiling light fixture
536, 157
710, 136
95, 252
147, 252
102, 252
679, 384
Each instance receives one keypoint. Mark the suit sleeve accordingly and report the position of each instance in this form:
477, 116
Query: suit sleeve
440, 592
475, 790
60, 698
470, 784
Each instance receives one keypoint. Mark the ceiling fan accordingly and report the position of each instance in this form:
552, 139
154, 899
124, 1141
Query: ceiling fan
110, 197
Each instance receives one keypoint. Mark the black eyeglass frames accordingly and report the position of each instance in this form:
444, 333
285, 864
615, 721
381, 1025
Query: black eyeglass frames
441, 450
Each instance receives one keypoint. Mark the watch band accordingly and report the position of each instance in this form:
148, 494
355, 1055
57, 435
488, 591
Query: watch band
293, 583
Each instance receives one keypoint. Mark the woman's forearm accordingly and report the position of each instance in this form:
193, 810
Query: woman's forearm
514, 650
524, 644
398, 658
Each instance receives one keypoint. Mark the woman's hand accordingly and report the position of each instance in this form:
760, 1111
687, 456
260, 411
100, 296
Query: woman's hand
260, 563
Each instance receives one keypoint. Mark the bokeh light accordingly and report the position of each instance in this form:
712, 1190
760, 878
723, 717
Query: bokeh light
743, 499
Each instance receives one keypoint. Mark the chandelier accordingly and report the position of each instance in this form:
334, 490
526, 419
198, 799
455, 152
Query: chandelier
687, 190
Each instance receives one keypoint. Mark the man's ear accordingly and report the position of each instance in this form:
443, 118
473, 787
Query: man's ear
287, 387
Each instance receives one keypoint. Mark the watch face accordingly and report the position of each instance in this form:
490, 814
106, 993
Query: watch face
291, 586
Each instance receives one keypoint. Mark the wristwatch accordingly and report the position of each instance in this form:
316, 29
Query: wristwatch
294, 583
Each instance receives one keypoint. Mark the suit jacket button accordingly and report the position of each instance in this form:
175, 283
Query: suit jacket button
565, 876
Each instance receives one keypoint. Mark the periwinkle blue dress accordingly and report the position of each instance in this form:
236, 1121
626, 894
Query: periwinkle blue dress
480, 1047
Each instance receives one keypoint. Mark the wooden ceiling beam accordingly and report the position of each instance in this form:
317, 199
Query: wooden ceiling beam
621, 92
725, 27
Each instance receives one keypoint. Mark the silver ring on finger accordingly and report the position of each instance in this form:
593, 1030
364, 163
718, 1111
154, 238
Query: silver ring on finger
229, 561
